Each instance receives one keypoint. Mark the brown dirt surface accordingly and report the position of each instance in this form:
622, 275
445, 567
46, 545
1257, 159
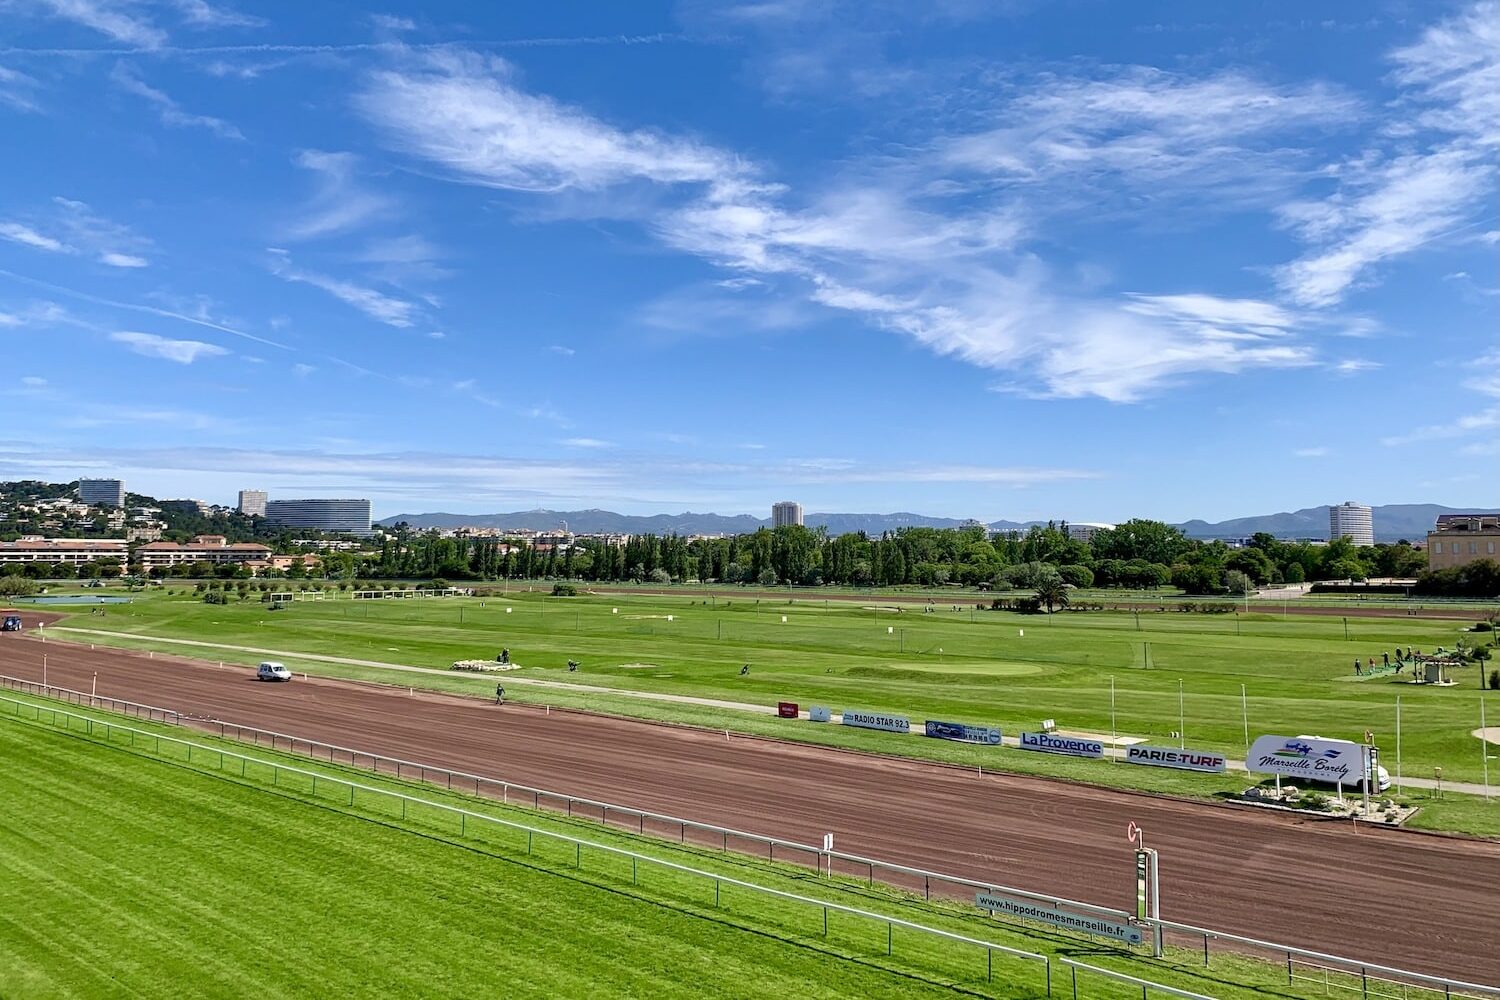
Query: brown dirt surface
1392, 897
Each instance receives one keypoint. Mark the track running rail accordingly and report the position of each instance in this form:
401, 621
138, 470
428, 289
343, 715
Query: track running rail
1144, 984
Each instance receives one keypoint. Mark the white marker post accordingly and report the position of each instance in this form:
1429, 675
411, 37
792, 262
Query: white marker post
828, 852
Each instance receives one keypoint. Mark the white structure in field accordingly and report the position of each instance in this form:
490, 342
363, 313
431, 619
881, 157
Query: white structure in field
1352, 519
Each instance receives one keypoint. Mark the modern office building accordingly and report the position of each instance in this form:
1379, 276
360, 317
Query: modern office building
1463, 538
346, 517
1084, 531
252, 503
785, 514
102, 492
1352, 519
69, 551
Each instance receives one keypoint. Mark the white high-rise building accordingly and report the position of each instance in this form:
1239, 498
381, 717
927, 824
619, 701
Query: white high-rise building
1352, 519
102, 492
785, 514
253, 503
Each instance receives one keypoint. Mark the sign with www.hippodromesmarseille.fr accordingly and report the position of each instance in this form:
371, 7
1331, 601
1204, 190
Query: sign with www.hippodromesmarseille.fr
962, 733
1337, 761
1066, 919
876, 720
1186, 760
1070, 745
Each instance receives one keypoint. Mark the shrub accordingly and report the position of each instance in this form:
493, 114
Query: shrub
1495, 680
564, 590
1482, 627
215, 597
17, 586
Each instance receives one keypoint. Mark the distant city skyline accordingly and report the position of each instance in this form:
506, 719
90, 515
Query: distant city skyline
996, 260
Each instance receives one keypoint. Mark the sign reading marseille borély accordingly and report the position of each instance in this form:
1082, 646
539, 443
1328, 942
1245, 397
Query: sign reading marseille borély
962, 733
1070, 745
877, 720
1336, 761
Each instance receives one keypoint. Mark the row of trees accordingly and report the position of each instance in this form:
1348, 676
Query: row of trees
1138, 554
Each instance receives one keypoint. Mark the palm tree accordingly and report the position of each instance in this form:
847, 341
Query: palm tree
1051, 591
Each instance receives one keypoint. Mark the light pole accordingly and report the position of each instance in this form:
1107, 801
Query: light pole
1181, 716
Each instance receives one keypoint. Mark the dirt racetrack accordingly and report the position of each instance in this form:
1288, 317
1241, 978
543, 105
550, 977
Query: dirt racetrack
1416, 901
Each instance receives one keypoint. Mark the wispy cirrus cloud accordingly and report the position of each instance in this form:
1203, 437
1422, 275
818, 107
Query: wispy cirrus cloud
167, 108
72, 227
121, 21
373, 303
152, 345
18, 90
957, 282
340, 203
1433, 178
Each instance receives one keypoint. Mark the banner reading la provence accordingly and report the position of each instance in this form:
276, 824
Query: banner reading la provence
1070, 745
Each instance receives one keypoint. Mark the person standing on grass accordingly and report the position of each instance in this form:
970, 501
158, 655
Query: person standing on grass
1358, 670
499, 694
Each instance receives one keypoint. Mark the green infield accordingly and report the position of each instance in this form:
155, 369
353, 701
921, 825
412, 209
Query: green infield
138, 867
1144, 677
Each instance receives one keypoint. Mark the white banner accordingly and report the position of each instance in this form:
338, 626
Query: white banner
1070, 745
1186, 760
1333, 761
819, 713
875, 720
1059, 918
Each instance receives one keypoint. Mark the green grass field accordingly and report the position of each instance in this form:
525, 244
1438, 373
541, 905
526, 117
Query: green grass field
134, 870
966, 665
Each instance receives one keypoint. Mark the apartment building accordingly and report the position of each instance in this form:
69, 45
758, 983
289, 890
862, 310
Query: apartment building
62, 551
214, 549
1462, 538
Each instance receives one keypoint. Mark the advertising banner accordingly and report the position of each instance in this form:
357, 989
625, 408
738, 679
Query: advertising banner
820, 713
877, 720
786, 709
1070, 745
962, 733
1186, 760
1059, 918
1334, 761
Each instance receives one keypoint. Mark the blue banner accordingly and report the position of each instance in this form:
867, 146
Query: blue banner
963, 733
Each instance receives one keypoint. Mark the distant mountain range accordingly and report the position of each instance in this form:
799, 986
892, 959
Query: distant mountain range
1392, 522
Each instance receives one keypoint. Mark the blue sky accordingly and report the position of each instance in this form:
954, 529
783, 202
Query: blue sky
1072, 259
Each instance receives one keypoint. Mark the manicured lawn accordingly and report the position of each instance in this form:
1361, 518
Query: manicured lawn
132, 877
134, 871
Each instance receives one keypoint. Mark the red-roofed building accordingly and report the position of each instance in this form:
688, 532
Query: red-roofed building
214, 549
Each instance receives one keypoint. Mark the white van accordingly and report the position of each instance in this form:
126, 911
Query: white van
1382, 776
270, 670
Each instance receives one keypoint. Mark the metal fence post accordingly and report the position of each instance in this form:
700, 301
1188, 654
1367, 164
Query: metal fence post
1075, 984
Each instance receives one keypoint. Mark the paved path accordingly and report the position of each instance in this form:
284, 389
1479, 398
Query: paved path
1469, 788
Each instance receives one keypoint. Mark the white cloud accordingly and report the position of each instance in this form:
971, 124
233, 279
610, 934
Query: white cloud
114, 19
302, 370
122, 260
1353, 366
391, 22
1391, 202
201, 14
340, 204
464, 111
566, 352
184, 352
1148, 128
375, 304
34, 381
16, 89
15, 232
170, 112
587, 442
953, 278
1319, 452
